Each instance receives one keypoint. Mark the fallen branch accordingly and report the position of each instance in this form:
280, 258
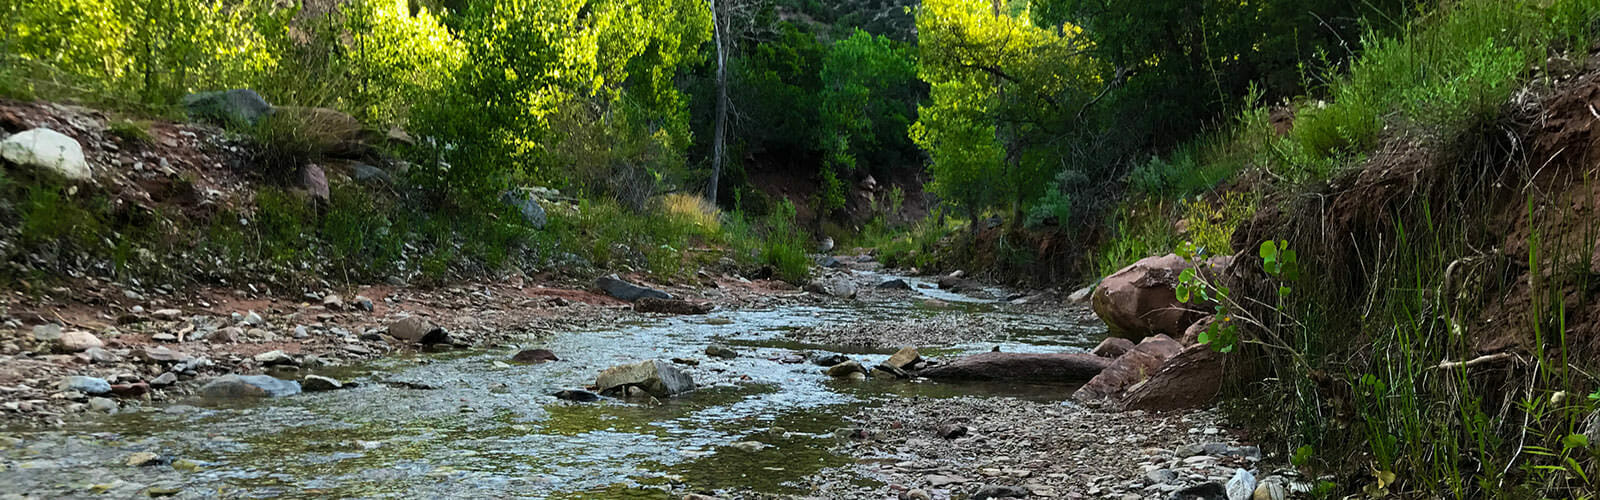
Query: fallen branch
1480, 360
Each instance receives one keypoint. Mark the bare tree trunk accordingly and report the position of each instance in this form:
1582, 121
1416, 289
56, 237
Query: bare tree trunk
719, 138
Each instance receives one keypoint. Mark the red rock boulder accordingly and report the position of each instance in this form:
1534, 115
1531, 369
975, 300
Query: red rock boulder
1190, 379
1141, 300
1133, 367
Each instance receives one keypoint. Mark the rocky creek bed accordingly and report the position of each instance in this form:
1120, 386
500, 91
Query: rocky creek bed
765, 421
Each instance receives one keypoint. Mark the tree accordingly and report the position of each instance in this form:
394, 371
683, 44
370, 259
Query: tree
868, 100
1005, 99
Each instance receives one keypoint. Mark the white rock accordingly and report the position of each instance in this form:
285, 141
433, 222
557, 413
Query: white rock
48, 149
1242, 486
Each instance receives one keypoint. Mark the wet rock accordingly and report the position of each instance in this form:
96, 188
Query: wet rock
332, 302
845, 369
276, 358
993, 491
1141, 300
362, 303
829, 262
165, 379
1056, 367
578, 395
103, 405
834, 287
951, 430
686, 361
227, 107
416, 330
86, 385
144, 459
1130, 368
657, 377
1241, 486
1190, 379
163, 490
671, 306
47, 150
534, 356
316, 383
828, 359
1112, 347
749, 446
248, 386
894, 284
624, 290
904, 359
78, 341
720, 351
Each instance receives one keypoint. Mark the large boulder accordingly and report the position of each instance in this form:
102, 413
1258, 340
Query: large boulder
1190, 379
1141, 300
417, 330
630, 292
659, 378
248, 386
49, 150
227, 107
1028, 367
1130, 368
526, 204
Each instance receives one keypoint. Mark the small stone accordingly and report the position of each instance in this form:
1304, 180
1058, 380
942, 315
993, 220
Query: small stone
143, 459
98, 355
332, 302
106, 405
951, 430
749, 446
47, 333
828, 359
78, 341
86, 385
362, 303
165, 379
253, 319
1215, 449
276, 358
163, 490
185, 465
166, 314
720, 351
160, 355
313, 383
992, 491
164, 337
1160, 476
915, 494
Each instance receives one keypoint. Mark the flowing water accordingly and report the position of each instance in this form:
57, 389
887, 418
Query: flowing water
489, 429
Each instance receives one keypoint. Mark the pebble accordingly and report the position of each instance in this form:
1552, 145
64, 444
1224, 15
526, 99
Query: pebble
165, 379
749, 446
103, 405
143, 459
86, 385
313, 383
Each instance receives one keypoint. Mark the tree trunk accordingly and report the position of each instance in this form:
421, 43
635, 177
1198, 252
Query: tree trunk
719, 137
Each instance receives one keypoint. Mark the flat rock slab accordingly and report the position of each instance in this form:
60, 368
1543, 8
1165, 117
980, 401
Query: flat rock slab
1130, 368
630, 292
248, 386
1052, 367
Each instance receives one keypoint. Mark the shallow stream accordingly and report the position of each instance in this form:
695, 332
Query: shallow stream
489, 429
